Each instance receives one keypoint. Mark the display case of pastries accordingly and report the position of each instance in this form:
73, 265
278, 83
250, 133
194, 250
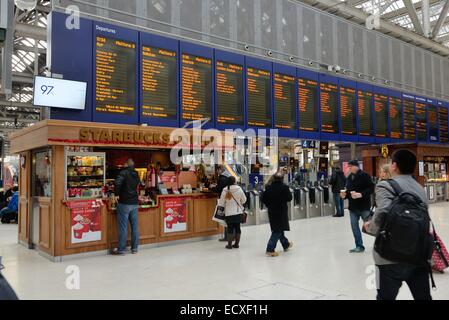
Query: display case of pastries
85, 175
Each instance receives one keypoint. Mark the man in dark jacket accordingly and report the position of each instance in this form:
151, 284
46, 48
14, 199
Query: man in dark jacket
128, 207
276, 197
338, 183
359, 189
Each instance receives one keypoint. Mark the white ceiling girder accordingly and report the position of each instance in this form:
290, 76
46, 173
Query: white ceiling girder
414, 16
441, 20
387, 27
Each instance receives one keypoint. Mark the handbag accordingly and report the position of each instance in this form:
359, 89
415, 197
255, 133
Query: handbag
440, 257
219, 215
244, 218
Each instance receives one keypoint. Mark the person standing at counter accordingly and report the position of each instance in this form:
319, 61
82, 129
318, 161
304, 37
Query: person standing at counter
276, 197
233, 199
338, 183
222, 182
126, 186
359, 189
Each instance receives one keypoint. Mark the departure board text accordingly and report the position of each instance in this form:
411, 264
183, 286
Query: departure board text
259, 98
396, 113
285, 102
381, 111
421, 121
329, 108
443, 120
230, 105
348, 105
115, 69
308, 105
432, 118
159, 90
196, 88
365, 107
409, 120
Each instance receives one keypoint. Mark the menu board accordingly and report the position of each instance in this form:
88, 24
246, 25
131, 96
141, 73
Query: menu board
308, 105
348, 105
443, 120
115, 69
159, 92
409, 120
381, 111
432, 120
365, 106
329, 108
196, 88
230, 100
284, 95
259, 98
421, 121
396, 112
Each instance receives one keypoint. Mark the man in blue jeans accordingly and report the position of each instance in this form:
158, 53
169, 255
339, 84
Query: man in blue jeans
359, 188
128, 208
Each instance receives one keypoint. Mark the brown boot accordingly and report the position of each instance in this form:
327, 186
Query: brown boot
230, 239
237, 241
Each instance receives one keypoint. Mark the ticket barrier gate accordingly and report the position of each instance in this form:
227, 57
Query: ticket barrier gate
327, 202
315, 196
259, 211
300, 206
251, 220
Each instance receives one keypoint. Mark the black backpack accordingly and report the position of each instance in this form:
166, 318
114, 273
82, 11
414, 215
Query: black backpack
405, 235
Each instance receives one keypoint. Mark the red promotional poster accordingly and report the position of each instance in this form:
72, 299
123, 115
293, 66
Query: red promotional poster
175, 215
86, 220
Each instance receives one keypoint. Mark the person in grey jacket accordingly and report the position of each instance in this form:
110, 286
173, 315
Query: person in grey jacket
392, 274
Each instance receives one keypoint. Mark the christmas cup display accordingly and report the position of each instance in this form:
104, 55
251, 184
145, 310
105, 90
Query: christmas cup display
78, 230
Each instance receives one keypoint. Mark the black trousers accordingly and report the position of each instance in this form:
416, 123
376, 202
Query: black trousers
392, 276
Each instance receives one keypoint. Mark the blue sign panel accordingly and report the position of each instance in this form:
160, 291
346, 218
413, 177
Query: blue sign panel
139, 78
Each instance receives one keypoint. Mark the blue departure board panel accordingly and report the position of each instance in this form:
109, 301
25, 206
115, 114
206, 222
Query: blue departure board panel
115, 74
396, 116
137, 78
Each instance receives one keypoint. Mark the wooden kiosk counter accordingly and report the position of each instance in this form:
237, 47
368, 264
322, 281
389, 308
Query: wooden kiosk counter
65, 168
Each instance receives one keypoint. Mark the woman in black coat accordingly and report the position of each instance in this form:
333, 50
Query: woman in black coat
276, 197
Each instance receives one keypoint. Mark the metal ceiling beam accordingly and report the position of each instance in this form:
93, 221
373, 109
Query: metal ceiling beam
31, 31
403, 11
414, 16
441, 19
29, 49
354, 3
387, 27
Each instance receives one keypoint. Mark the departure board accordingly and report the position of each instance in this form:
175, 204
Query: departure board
159, 90
329, 108
259, 98
409, 120
308, 105
115, 69
285, 102
348, 105
443, 120
432, 120
396, 113
381, 111
230, 93
196, 88
365, 107
421, 121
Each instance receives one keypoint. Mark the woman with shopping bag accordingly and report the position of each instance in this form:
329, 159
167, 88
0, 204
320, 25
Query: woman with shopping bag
233, 200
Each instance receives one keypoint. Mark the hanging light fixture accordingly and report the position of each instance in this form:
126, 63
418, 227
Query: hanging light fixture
25, 4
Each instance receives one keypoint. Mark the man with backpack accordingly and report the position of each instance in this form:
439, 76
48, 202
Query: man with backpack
402, 226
